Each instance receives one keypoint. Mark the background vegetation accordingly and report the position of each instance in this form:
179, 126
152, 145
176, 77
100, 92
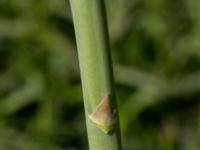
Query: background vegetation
155, 48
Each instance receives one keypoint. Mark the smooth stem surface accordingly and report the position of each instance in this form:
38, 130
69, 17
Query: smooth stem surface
96, 69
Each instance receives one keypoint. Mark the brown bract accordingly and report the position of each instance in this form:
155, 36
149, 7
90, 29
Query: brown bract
104, 117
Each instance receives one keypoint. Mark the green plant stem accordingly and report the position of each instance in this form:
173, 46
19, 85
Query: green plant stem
96, 69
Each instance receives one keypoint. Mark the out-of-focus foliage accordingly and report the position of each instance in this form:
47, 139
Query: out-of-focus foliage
156, 56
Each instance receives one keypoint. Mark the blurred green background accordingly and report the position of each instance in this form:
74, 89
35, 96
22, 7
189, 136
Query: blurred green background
155, 47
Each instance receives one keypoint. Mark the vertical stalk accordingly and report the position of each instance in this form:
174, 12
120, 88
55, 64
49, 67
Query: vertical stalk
96, 70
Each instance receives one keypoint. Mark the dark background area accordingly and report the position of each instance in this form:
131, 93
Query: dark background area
155, 47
